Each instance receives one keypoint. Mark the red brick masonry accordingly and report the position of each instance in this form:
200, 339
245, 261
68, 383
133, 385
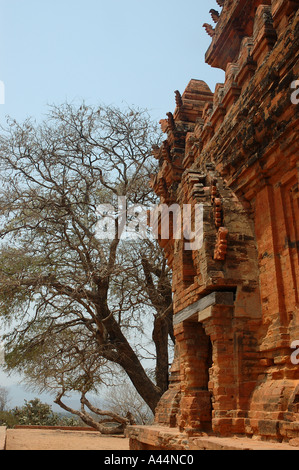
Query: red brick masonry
236, 151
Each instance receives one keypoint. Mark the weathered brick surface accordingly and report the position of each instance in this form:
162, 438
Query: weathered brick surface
236, 152
163, 438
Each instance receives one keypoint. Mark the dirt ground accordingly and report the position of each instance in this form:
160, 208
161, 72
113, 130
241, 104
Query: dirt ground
36, 439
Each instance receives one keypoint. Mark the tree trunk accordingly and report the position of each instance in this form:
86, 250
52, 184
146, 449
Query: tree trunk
144, 386
160, 338
87, 419
129, 361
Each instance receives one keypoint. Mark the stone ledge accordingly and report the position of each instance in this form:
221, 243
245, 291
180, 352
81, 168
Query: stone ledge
236, 443
2, 437
160, 438
191, 312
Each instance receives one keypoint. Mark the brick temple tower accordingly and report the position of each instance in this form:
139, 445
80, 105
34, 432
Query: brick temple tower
235, 152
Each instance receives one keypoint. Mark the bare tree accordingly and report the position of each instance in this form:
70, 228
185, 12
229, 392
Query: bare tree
69, 362
55, 275
125, 400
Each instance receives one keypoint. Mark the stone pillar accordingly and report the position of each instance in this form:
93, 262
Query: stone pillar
195, 413
223, 376
168, 406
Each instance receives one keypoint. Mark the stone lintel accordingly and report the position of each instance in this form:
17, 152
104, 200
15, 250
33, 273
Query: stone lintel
205, 314
199, 310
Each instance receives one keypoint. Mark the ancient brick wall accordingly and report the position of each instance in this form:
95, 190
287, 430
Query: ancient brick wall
235, 153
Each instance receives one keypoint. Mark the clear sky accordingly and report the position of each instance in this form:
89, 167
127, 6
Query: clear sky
110, 52
135, 52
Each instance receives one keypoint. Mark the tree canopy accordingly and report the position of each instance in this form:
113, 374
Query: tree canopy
79, 307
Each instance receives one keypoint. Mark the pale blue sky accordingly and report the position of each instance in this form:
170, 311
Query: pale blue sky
110, 52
